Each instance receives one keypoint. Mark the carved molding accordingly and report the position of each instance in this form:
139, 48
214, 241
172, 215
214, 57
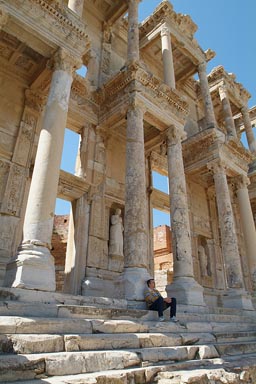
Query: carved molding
57, 22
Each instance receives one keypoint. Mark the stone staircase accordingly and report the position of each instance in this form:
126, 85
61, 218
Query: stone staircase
56, 338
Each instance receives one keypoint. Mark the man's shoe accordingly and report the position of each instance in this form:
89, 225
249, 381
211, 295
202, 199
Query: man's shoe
174, 319
161, 318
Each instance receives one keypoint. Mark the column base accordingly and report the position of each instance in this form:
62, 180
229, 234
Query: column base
134, 281
186, 290
237, 298
32, 268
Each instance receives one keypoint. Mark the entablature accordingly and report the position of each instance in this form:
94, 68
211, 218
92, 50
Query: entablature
210, 145
163, 106
160, 200
71, 187
48, 26
236, 93
187, 54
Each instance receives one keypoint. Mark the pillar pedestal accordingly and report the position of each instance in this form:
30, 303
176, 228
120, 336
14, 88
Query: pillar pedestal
33, 269
237, 298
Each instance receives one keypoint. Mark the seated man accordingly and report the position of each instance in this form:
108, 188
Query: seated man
156, 302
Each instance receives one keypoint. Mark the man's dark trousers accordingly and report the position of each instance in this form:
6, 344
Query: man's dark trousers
160, 305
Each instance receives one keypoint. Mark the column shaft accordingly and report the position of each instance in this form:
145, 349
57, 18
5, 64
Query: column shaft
184, 287
135, 223
227, 112
169, 76
248, 130
76, 6
133, 52
227, 228
206, 96
181, 238
33, 268
248, 226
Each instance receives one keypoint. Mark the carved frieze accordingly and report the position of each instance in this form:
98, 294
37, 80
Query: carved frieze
57, 23
152, 91
11, 204
4, 171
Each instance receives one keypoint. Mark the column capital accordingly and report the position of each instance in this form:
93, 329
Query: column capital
202, 67
244, 109
65, 61
241, 182
174, 135
135, 103
222, 91
218, 166
165, 30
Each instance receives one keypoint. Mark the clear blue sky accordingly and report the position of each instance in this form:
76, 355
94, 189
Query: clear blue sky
225, 26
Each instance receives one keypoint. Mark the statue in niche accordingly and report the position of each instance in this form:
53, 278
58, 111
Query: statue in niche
116, 234
203, 261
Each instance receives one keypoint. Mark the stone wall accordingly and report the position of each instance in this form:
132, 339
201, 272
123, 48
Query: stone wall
59, 247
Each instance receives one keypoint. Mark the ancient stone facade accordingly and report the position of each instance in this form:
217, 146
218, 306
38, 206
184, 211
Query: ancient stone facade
138, 109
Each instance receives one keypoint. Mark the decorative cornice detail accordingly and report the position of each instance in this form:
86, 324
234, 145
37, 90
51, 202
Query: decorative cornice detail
219, 75
57, 23
144, 82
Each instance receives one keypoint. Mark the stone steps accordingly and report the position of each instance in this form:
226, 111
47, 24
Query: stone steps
233, 370
66, 339
25, 325
38, 343
121, 376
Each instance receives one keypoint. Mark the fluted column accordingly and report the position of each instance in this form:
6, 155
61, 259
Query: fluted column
184, 286
135, 222
206, 96
227, 112
133, 52
248, 225
34, 265
76, 6
169, 76
248, 130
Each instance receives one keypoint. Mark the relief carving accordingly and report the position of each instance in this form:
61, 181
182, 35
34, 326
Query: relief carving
14, 190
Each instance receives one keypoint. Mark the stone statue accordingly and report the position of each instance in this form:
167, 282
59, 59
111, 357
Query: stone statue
116, 234
203, 260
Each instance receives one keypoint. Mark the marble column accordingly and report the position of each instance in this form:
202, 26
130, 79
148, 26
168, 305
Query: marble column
133, 52
33, 268
227, 112
135, 222
184, 287
248, 130
248, 225
76, 6
169, 76
236, 295
206, 97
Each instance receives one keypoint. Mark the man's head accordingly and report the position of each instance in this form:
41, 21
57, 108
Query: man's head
151, 283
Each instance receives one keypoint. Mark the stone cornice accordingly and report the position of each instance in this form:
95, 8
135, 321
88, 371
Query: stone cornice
71, 187
209, 145
218, 76
50, 22
149, 86
181, 27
